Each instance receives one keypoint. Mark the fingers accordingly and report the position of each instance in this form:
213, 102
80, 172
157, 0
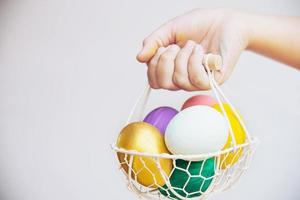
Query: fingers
161, 37
151, 73
181, 77
197, 74
165, 68
173, 68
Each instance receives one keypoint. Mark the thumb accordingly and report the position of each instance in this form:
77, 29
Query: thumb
148, 50
161, 37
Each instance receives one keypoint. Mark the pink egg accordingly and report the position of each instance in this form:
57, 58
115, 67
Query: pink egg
201, 99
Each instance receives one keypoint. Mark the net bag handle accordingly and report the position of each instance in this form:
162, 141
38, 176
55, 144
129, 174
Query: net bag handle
211, 63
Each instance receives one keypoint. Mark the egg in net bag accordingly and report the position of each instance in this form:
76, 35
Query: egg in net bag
152, 172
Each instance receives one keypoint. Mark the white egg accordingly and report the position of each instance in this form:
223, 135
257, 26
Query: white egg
196, 130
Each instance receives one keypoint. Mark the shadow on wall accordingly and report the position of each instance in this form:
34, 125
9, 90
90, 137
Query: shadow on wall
4, 4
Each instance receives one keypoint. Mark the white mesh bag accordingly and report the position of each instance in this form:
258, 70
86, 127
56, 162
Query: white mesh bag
192, 176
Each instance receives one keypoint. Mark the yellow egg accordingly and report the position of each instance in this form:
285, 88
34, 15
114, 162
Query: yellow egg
239, 136
143, 137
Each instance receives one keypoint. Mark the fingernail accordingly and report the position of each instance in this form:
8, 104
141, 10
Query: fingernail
140, 55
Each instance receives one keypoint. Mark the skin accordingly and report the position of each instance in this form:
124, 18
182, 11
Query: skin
174, 51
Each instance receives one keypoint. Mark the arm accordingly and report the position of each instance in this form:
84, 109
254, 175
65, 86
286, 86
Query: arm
277, 37
174, 51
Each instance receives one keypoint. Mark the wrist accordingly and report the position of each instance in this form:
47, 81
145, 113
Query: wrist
246, 26
253, 24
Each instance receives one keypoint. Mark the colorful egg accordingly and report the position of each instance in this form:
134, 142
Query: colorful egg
144, 137
190, 179
199, 100
230, 159
160, 117
196, 130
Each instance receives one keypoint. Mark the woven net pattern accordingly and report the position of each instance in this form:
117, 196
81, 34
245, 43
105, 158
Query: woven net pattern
191, 176
197, 178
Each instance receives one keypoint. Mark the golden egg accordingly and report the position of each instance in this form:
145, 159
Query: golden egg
230, 159
144, 137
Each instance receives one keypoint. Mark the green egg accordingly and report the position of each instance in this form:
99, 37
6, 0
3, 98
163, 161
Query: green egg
190, 178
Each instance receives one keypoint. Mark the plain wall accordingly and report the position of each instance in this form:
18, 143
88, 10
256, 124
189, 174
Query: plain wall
68, 79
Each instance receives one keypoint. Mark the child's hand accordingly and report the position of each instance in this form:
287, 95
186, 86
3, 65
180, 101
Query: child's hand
174, 52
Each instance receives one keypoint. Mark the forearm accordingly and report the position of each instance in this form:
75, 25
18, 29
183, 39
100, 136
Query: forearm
277, 37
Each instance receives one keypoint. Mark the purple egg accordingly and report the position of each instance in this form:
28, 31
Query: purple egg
160, 117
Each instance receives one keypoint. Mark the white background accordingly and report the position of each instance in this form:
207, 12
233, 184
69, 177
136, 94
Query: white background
68, 78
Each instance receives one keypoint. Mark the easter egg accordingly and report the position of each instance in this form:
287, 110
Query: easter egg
145, 138
196, 130
190, 178
199, 100
160, 117
229, 159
